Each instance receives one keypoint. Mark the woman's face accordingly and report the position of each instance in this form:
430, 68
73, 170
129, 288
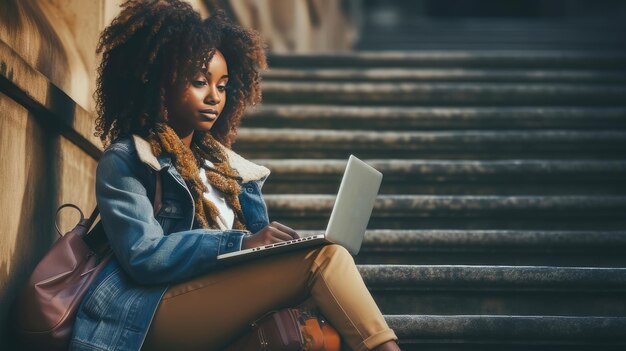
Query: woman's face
198, 105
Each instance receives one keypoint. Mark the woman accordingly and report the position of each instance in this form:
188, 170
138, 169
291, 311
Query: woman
171, 91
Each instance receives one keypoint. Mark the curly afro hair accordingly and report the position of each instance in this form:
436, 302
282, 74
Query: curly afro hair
153, 46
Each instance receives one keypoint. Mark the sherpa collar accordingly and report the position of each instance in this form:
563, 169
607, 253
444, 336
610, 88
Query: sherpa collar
248, 171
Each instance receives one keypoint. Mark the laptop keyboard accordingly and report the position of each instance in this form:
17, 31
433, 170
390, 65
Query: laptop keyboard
290, 241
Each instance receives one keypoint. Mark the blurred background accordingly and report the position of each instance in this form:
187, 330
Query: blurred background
500, 127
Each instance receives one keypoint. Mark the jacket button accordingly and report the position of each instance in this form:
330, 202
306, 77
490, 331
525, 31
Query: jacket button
249, 189
230, 244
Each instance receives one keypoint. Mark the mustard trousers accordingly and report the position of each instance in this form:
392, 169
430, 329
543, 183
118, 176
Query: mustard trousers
209, 311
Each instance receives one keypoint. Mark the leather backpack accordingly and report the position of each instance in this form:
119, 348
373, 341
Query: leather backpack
298, 328
45, 311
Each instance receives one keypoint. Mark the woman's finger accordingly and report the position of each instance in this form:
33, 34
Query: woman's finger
286, 229
279, 234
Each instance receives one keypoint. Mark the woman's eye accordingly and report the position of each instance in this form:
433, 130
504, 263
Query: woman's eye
221, 87
199, 82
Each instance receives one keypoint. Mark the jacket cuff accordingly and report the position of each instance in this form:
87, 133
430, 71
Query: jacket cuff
231, 242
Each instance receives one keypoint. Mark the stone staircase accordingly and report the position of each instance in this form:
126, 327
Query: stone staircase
501, 219
596, 32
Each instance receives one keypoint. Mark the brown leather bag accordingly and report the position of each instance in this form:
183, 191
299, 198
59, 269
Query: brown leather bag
293, 328
45, 310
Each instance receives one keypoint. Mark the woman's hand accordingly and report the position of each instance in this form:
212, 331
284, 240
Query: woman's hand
270, 234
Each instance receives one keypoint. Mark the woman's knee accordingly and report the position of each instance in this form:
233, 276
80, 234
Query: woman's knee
334, 252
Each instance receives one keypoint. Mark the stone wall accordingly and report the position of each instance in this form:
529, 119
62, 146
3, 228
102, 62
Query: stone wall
306, 26
47, 149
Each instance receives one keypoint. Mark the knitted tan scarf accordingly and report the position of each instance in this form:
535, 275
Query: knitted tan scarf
189, 160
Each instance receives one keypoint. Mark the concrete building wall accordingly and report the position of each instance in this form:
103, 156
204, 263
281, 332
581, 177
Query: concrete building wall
47, 150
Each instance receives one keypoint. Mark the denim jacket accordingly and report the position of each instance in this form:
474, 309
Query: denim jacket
152, 251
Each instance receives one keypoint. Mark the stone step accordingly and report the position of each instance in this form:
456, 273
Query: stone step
591, 248
464, 144
459, 177
445, 75
418, 35
306, 211
511, 23
515, 332
507, 25
443, 94
433, 26
420, 118
495, 35
436, 36
412, 45
392, 40
542, 59
497, 290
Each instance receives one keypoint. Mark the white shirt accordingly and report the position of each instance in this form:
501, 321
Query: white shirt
226, 214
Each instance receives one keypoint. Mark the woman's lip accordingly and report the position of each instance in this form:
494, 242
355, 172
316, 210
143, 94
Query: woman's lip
210, 116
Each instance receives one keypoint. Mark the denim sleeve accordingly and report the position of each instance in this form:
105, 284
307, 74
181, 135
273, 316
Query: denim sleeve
253, 206
136, 237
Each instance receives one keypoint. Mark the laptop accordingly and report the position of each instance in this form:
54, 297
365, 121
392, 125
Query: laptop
348, 219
